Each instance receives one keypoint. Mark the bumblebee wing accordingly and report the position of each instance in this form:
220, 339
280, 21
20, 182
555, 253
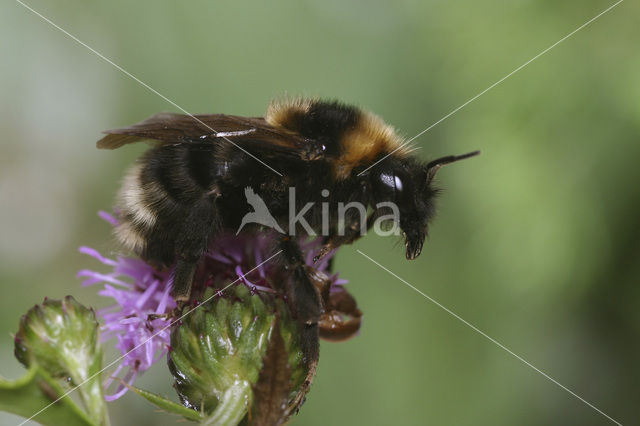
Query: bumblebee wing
159, 127
170, 128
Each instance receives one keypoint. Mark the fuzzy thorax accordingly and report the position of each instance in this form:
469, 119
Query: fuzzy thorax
362, 138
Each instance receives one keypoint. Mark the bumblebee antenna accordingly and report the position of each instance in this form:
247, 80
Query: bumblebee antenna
434, 166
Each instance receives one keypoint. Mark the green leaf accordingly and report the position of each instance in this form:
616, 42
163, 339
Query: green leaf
167, 405
35, 391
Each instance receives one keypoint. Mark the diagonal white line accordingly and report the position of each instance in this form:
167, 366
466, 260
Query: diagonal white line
494, 84
491, 339
147, 86
141, 344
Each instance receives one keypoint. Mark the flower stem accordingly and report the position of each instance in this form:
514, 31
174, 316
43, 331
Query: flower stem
91, 395
232, 407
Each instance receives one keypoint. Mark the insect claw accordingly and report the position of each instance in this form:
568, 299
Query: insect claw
324, 250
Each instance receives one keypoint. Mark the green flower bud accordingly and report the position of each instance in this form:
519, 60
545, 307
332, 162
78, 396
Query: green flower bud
217, 351
61, 336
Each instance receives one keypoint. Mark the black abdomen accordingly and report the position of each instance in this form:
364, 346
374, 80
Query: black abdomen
157, 195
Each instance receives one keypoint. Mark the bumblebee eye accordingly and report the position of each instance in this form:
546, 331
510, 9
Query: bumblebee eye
388, 180
398, 183
392, 184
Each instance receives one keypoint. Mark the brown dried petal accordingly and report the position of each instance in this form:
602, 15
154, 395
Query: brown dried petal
272, 390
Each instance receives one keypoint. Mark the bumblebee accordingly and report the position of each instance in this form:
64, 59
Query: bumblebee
196, 182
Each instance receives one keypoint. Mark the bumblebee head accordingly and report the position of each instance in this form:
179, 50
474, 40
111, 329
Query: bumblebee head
407, 184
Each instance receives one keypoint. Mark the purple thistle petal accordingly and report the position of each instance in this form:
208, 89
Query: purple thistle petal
108, 217
128, 380
146, 295
97, 277
94, 253
113, 376
126, 320
164, 301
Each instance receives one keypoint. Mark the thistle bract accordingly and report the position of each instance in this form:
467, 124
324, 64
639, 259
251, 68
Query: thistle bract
218, 349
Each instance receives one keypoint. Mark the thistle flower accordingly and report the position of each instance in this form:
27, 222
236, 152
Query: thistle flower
140, 319
241, 353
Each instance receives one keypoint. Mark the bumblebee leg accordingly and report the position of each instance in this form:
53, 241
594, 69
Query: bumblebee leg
310, 342
193, 239
322, 282
340, 318
351, 234
304, 299
304, 302
183, 278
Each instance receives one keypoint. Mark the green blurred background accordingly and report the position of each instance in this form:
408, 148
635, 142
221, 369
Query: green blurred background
536, 243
